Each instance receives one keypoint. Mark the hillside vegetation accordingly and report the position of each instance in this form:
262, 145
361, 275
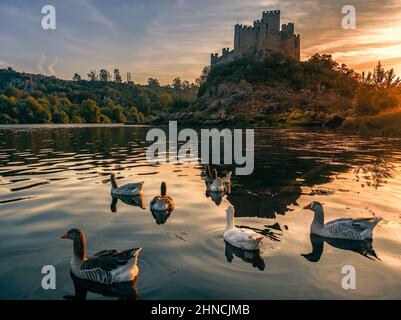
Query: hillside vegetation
281, 90
28, 98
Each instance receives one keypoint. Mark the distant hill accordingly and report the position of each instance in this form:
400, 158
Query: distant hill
281, 90
31, 98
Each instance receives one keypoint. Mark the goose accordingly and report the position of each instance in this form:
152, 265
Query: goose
241, 238
105, 267
131, 189
217, 185
343, 228
162, 202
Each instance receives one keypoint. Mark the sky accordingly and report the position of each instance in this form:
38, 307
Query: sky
165, 39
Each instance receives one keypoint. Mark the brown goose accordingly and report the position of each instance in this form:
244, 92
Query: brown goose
106, 266
130, 189
162, 202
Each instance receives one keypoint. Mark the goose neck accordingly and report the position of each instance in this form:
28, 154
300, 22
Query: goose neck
318, 218
80, 248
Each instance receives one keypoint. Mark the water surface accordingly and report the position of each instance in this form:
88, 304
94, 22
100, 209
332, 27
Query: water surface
55, 178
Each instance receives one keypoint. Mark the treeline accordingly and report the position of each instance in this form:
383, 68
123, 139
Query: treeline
103, 98
372, 93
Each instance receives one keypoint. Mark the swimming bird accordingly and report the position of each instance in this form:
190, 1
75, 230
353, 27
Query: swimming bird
162, 202
343, 228
241, 238
131, 189
106, 266
217, 185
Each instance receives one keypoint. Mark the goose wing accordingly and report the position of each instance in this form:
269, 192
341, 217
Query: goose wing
108, 260
130, 186
345, 228
244, 235
365, 223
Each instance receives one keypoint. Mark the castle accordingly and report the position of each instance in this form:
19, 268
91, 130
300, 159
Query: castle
264, 37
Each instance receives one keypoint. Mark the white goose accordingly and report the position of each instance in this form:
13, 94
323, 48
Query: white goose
106, 266
241, 238
343, 228
131, 189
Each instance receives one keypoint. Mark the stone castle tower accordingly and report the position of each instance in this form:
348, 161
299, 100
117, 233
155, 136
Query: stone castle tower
262, 38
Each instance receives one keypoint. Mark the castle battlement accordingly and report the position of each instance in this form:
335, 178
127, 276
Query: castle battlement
263, 37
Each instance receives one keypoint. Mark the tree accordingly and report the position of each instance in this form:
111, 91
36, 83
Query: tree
379, 75
90, 111
33, 110
202, 78
153, 82
76, 77
104, 75
92, 75
59, 116
134, 115
390, 80
176, 84
117, 76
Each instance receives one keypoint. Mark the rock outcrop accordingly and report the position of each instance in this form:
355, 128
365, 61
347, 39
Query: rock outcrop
244, 103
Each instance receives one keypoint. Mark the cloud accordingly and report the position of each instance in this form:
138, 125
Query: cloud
47, 68
165, 39
96, 15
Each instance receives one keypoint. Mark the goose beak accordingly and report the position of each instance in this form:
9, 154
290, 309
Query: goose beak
308, 207
138, 251
64, 236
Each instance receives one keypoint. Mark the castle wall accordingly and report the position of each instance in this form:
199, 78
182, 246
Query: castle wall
264, 36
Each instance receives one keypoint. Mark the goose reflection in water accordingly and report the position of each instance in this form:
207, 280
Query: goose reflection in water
249, 256
271, 232
216, 187
123, 290
363, 247
135, 201
217, 197
160, 216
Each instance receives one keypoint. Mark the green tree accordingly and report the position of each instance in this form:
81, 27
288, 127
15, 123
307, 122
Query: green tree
117, 76
76, 77
176, 84
59, 116
33, 110
153, 82
90, 111
92, 75
104, 75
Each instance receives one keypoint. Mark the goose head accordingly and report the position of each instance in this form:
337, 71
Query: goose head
73, 234
317, 208
230, 216
78, 237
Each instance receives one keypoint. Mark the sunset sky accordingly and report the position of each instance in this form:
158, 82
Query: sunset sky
170, 38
